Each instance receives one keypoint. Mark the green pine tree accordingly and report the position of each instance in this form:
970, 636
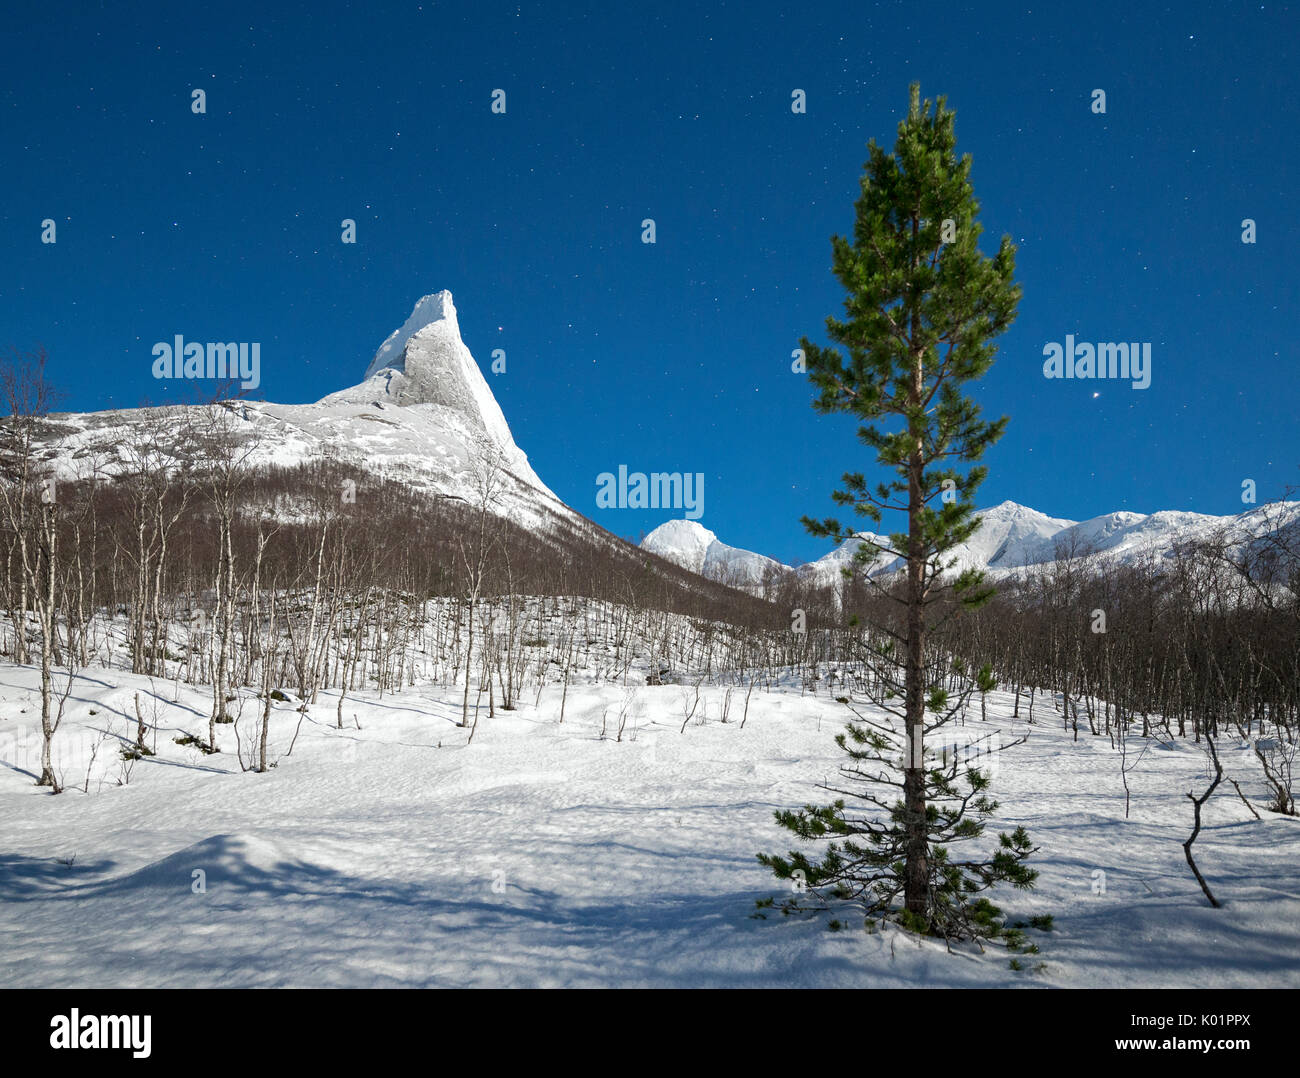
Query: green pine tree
923, 308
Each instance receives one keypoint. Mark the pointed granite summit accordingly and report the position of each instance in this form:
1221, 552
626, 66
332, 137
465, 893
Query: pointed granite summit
426, 362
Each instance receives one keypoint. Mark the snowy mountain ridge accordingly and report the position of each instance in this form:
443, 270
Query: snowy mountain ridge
1011, 537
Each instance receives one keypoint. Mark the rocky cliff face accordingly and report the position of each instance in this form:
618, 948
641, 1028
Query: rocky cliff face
426, 362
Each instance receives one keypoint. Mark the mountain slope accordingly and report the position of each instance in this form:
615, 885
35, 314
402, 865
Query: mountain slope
419, 430
423, 414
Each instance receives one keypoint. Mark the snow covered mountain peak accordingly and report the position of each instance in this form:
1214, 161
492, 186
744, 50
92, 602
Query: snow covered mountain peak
424, 414
691, 545
425, 362
1010, 509
430, 309
683, 542
425, 401
682, 535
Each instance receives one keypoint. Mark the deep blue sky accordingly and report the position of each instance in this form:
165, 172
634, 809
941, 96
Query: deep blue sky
673, 356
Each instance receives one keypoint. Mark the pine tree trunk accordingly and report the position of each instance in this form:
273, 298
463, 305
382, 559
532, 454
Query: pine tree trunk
917, 868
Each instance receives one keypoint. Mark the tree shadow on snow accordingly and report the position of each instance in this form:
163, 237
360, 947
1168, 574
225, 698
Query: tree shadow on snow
267, 917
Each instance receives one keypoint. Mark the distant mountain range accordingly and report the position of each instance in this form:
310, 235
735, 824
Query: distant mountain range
1010, 537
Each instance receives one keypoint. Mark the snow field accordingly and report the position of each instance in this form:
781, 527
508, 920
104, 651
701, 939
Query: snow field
541, 855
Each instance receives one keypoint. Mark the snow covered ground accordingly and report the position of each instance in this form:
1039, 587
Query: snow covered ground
393, 854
